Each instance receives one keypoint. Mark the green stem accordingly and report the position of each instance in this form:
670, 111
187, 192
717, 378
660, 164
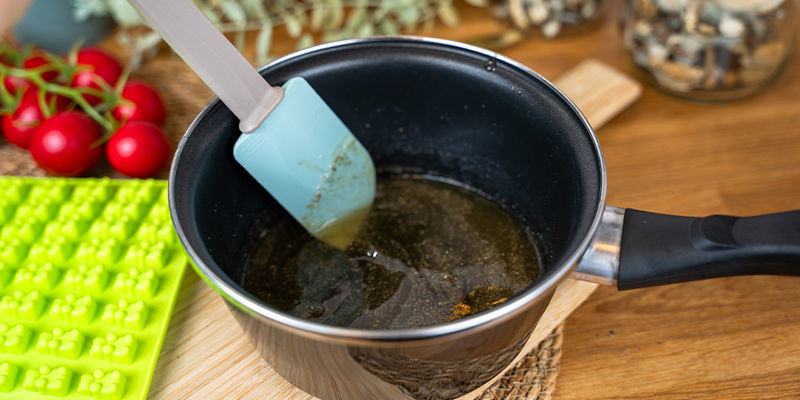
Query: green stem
76, 96
5, 96
71, 93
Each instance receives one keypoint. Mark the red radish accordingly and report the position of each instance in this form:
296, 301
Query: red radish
19, 126
138, 149
98, 65
65, 144
144, 104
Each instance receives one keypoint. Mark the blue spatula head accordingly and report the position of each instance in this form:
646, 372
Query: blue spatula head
311, 163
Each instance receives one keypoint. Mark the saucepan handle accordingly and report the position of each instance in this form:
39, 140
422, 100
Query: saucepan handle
656, 249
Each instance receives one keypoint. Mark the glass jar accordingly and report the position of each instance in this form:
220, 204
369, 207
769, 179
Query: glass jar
551, 18
708, 49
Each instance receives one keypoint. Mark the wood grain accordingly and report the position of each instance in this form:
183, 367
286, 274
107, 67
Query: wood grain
599, 91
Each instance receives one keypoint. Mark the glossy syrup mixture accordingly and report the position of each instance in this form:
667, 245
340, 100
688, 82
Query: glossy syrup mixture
429, 252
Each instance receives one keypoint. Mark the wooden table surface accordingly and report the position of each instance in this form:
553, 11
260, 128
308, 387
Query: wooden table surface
731, 338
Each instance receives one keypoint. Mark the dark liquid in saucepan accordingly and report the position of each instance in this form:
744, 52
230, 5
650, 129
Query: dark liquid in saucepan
429, 252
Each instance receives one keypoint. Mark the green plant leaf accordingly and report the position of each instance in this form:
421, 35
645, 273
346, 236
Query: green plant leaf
234, 12
144, 45
124, 14
447, 13
365, 30
83, 9
334, 19
255, 8
408, 17
389, 27
263, 43
209, 13
357, 17
319, 12
335, 16
477, 3
293, 26
305, 41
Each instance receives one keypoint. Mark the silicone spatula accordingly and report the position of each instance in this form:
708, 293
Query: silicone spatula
292, 143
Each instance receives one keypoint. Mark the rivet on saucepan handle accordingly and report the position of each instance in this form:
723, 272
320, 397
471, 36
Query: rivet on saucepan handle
600, 264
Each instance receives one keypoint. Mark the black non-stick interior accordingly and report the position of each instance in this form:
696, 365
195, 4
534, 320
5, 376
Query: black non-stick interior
417, 106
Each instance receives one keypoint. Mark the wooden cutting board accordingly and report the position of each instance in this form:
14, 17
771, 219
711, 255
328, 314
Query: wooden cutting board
207, 356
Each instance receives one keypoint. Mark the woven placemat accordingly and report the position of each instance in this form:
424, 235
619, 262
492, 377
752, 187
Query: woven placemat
533, 377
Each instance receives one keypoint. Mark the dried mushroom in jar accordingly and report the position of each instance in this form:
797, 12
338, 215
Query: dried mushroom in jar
708, 49
550, 17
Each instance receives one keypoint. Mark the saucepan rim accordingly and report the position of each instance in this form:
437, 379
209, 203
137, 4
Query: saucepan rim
538, 290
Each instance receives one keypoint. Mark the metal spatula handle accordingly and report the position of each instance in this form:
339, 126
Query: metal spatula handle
184, 27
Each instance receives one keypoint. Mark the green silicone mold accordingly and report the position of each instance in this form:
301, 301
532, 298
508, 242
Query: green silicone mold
89, 272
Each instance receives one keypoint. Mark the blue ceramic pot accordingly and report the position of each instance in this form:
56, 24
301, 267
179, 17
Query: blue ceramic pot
50, 24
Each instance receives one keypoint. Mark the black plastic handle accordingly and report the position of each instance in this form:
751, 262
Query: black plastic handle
659, 249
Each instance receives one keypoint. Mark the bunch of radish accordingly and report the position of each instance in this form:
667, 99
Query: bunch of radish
69, 111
